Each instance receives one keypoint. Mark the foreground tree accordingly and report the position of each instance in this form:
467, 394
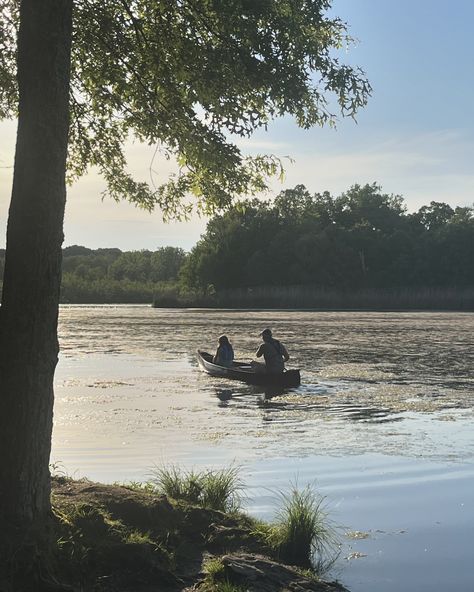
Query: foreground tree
28, 341
182, 75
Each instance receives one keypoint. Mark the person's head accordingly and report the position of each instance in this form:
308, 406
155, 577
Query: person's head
266, 334
223, 340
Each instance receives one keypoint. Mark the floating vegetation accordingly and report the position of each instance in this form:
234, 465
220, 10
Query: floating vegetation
108, 384
355, 555
357, 535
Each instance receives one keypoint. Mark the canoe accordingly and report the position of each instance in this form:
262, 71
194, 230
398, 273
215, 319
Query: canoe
244, 372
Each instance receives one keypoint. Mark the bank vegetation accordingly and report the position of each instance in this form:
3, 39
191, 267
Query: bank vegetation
359, 250
181, 531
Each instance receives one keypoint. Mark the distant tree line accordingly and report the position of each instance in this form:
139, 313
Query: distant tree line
362, 240
114, 276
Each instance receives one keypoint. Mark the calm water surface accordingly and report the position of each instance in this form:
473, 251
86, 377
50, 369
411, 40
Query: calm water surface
382, 424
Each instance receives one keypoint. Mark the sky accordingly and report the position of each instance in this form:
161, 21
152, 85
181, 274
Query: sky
415, 137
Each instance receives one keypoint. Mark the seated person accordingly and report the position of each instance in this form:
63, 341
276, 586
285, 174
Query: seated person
274, 353
225, 354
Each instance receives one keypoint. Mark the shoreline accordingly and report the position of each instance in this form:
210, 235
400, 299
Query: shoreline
122, 537
128, 390
272, 309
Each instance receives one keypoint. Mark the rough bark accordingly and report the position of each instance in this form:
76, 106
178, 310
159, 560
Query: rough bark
29, 312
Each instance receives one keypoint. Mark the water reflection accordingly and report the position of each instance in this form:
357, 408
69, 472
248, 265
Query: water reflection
224, 395
300, 400
259, 393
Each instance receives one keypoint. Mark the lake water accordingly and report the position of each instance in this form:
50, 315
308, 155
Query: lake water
382, 425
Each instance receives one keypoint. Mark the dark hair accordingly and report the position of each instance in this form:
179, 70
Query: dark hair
223, 340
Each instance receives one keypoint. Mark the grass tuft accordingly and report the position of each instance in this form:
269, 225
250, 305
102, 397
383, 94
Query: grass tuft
307, 537
140, 486
216, 580
301, 534
221, 490
214, 567
136, 537
215, 490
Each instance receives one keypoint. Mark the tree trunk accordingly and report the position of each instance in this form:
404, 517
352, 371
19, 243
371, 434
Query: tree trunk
29, 312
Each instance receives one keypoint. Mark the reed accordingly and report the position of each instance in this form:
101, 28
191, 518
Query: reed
313, 297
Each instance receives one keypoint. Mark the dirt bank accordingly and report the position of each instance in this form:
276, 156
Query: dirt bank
120, 539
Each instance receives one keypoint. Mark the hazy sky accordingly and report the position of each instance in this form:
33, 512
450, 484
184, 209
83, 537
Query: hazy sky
415, 138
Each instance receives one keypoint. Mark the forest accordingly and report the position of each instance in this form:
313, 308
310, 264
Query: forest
113, 276
361, 240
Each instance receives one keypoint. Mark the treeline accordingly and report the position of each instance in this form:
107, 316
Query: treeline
359, 249
115, 276
362, 241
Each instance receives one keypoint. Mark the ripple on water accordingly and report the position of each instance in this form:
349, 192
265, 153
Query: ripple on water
383, 422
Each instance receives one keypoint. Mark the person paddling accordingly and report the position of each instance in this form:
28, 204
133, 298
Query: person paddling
273, 351
224, 355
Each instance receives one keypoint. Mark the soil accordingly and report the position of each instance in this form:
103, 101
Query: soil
112, 538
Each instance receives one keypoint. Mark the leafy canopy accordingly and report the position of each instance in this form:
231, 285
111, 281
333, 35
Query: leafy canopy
363, 238
191, 77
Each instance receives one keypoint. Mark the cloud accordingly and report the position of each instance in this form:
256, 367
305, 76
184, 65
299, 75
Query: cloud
434, 166
249, 145
420, 166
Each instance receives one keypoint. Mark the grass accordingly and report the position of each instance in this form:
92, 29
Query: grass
88, 532
302, 534
136, 537
107, 537
215, 490
140, 486
215, 580
214, 568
